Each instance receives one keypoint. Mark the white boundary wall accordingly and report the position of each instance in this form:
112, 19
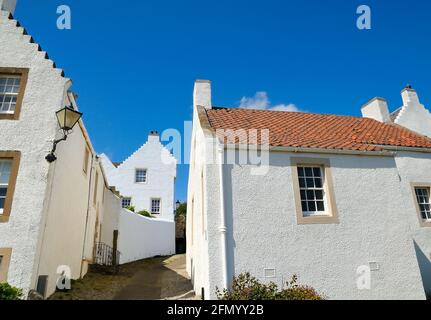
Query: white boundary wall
141, 237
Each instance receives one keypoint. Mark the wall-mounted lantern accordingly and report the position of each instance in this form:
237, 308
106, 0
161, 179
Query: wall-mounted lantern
67, 119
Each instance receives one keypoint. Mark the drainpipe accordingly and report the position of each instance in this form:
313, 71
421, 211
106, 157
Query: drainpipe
222, 228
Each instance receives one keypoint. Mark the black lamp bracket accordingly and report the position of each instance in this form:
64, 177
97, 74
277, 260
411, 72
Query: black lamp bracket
51, 156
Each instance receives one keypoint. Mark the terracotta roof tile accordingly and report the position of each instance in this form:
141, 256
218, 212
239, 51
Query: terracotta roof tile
308, 130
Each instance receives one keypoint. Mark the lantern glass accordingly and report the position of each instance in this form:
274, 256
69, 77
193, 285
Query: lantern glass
67, 118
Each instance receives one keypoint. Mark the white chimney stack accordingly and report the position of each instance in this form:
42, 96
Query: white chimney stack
153, 136
409, 96
202, 94
376, 109
8, 5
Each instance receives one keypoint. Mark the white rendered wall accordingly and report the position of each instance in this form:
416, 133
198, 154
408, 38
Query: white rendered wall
416, 168
262, 230
31, 135
141, 237
198, 203
161, 173
111, 216
68, 198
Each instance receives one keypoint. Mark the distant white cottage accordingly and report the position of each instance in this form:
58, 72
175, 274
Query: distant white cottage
146, 180
338, 198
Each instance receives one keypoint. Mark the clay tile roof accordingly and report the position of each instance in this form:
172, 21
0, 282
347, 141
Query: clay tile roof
307, 130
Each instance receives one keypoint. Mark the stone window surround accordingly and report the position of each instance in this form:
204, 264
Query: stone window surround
414, 185
332, 218
15, 156
4, 267
23, 72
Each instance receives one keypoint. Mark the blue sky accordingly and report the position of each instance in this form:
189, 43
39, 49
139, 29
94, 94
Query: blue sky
134, 62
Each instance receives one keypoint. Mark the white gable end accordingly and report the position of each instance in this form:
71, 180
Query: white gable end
413, 115
157, 171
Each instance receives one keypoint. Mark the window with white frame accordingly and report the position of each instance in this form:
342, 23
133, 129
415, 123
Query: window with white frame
126, 202
155, 206
5, 170
9, 90
311, 186
423, 199
141, 175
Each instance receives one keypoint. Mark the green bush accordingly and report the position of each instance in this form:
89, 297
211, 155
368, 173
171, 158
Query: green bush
7, 292
131, 208
246, 287
181, 210
145, 213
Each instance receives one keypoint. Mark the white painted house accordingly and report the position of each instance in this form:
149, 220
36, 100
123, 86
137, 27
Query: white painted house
146, 181
51, 215
332, 196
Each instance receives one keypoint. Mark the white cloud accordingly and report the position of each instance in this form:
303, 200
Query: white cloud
260, 101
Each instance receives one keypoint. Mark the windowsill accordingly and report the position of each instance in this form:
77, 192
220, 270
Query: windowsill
8, 116
318, 219
426, 223
315, 214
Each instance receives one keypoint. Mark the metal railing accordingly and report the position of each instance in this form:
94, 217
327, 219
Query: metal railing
105, 255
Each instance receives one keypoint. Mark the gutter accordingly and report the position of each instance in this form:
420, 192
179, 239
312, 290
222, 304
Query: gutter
383, 153
407, 149
222, 228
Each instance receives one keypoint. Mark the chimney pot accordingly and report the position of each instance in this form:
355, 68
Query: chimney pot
409, 96
376, 109
153, 136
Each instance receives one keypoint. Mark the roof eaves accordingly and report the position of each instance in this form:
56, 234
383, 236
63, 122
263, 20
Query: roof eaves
204, 121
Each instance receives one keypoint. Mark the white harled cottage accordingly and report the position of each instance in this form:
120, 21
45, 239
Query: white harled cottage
332, 199
146, 179
51, 215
